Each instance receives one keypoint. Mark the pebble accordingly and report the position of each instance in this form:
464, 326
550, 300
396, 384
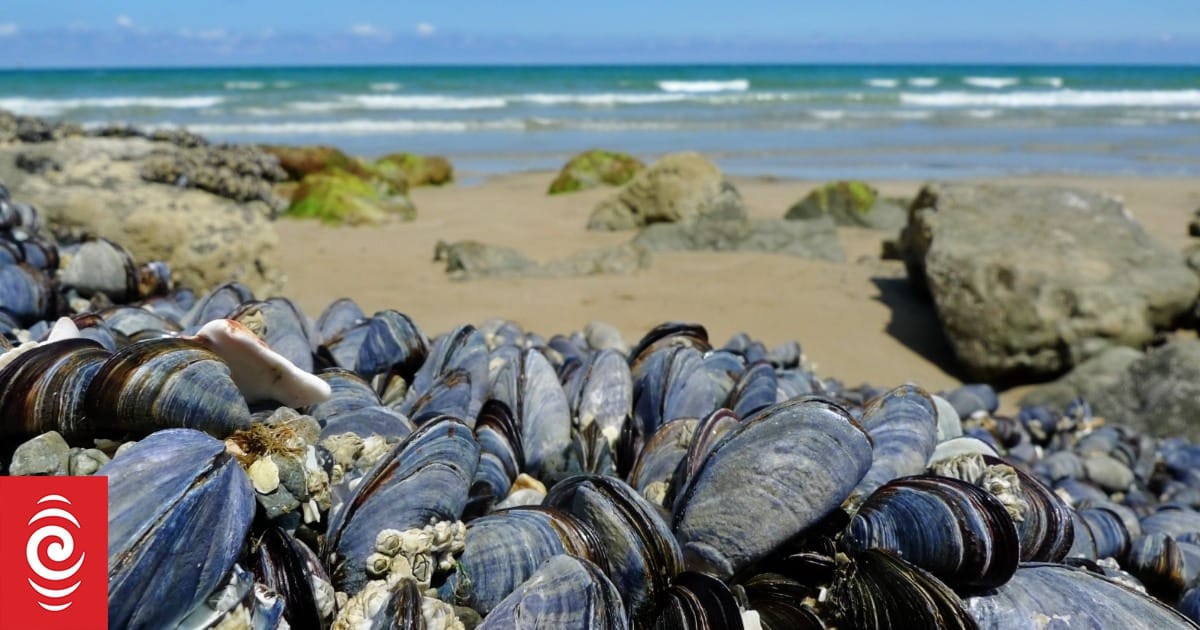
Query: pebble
46, 454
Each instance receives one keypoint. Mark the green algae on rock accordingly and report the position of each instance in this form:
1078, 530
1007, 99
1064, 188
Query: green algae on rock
417, 170
594, 168
852, 203
340, 197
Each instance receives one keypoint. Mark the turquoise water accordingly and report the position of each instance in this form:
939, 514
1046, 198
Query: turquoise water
788, 121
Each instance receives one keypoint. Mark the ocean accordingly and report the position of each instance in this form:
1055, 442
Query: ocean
811, 121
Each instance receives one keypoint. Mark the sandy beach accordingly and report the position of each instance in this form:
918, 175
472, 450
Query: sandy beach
858, 320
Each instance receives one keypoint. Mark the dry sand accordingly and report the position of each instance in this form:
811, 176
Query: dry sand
856, 320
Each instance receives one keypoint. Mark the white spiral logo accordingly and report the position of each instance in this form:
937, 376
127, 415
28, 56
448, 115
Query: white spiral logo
59, 551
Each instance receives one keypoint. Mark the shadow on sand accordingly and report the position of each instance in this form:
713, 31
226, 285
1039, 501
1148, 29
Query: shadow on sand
915, 324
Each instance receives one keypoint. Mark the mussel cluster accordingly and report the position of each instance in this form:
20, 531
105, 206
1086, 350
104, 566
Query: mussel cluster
268, 471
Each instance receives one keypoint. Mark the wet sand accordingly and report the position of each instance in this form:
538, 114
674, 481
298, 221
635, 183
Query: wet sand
856, 320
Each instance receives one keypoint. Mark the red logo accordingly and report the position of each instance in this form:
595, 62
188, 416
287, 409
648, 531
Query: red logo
54, 553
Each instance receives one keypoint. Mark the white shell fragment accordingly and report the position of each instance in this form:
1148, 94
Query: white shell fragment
64, 328
259, 372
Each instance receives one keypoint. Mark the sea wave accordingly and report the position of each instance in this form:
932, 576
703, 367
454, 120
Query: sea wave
1055, 82
384, 86
1062, 98
356, 127
243, 85
693, 87
55, 106
992, 83
602, 99
882, 83
420, 101
924, 81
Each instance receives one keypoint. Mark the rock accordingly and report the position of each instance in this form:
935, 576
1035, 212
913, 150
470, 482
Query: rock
86, 461
241, 173
853, 203
473, 259
1029, 281
205, 239
807, 239
466, 260
1098, 380
36, 164
46, 454
681, 187
418, 170
341, 197
301, 161
594, 168
33, 130
620, 259
1158, 391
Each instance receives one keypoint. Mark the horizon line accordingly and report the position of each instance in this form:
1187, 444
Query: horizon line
606, 64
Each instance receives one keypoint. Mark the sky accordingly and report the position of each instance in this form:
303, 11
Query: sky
90, 33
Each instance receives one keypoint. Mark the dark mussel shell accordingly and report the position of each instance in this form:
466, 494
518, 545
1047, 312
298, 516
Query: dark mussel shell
642, 553
1039, 593
42, 389
179, 511
903, 428
796, 461
504, 548
424, 478
877, 589
564, 592
164, 383
951, 528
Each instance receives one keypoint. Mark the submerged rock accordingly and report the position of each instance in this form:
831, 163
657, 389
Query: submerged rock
594, 168
1029, 281
680, 187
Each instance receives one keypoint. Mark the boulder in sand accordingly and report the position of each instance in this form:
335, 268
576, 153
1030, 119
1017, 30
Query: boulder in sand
417, 170
595, 168
680, 187
340, 197
1029, 281
851, 203
807, 239
467, 260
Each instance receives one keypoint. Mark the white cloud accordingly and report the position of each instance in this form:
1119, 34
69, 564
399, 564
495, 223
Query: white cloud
370, 31
124, 21
425, 29
8, 29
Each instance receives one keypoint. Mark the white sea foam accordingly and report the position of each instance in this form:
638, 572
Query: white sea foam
982, 113
54, 106
924, 82
243, 85
355, 127
601, 100
992, 83
424, 101
1061, 98
1055, 82
828, 114
883, 83
693, 87
385, 86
